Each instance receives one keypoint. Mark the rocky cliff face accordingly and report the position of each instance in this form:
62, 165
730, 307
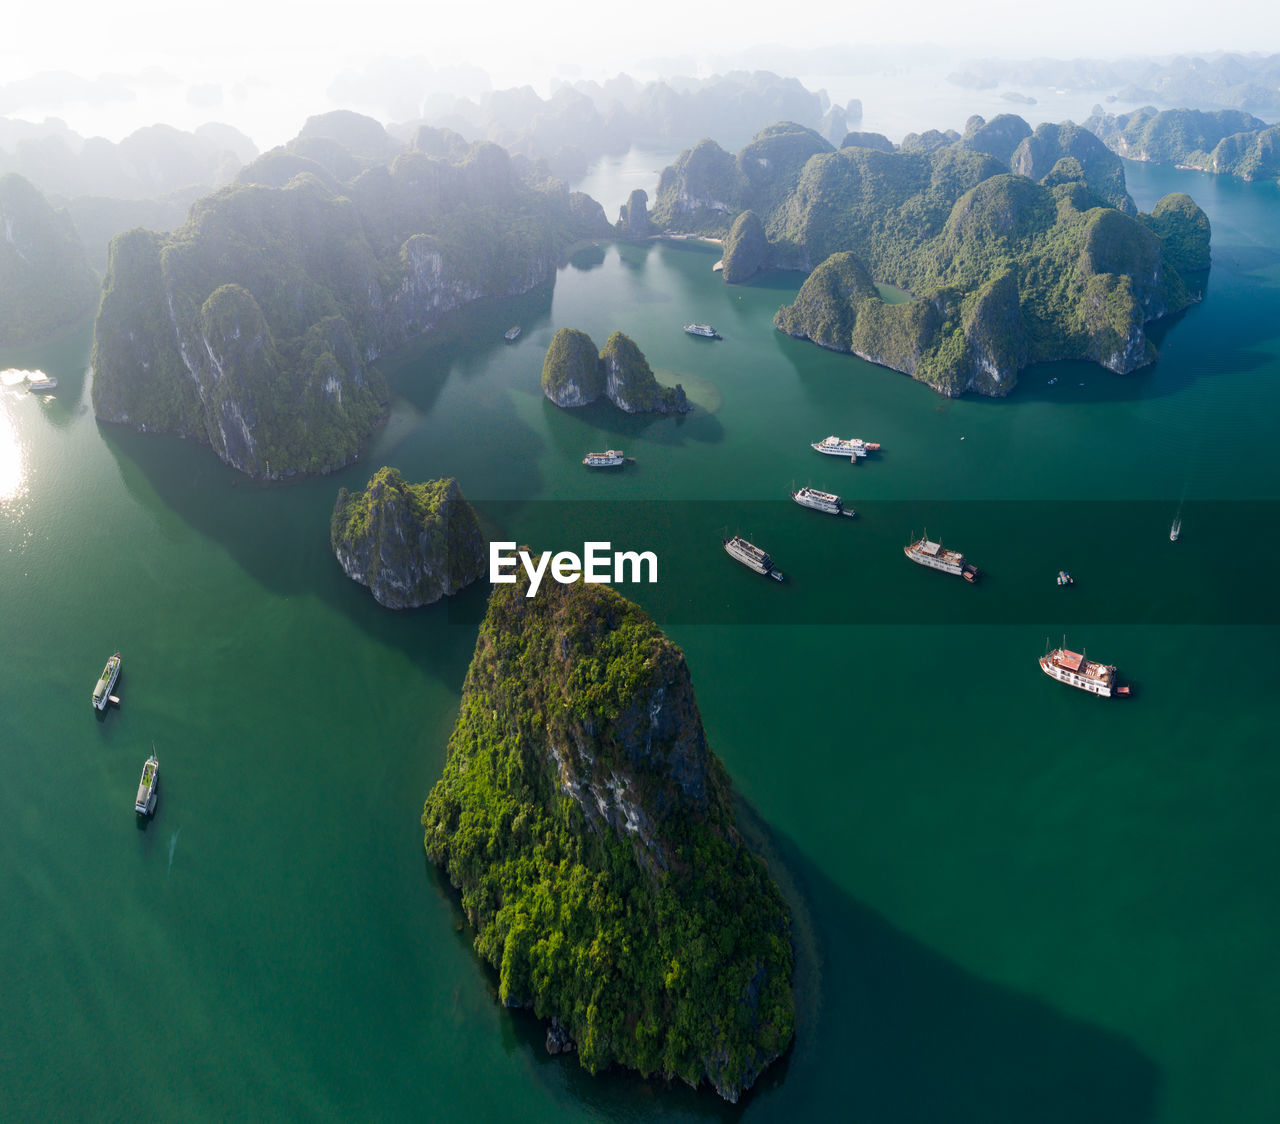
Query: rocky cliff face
571, 374
630, 383
1032, 273
411, 544
575, 374
254, 326
1049, 262
590, 831
1225, 142
701, 191
746, 250
45, 280
633, 218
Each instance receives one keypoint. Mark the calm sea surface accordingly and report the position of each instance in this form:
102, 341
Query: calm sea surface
1013, 902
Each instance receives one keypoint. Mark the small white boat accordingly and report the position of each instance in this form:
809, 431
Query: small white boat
512, 334
40, 383
1175, 530
820, 501
751, 556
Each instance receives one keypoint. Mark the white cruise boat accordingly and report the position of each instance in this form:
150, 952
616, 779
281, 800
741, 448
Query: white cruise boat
107, 680
146, 801
852, 447
927, 553
40, 383
1074, 670
820, 501
607, 459
751, 556
705, 330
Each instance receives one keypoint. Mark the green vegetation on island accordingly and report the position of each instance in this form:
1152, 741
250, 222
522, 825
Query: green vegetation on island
1226, 142
1018, 246
746, 249
1183, 230
46, 282
590, 830
411, 544
253, 327
575, 374
571, 371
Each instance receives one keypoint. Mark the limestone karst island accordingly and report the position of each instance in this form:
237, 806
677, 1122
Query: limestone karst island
1015, 246
548, 585
590, 830
575, 374
411, 544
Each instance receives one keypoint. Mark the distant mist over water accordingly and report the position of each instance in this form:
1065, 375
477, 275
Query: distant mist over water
270, 94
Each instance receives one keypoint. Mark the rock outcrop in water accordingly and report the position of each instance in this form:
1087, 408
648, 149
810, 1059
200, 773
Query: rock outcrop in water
411, 544
1226, 142
571, 373
590, 830
1018, 246
746, 250
254, 327
633, 217
575, 374
46, 283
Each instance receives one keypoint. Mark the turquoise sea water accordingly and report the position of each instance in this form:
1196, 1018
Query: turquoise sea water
1013, 902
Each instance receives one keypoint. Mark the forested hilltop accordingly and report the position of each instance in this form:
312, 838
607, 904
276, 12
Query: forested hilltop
574, 373
411, 544
590, 830
1018, 246
1226, 142
252, 327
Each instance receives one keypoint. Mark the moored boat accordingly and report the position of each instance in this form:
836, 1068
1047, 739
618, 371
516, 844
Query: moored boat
107, 680
40, 383
924, 552
704, 330
146, 801
820, 501
852, 447
751, 556
1073, 669
1065, 578
607, 459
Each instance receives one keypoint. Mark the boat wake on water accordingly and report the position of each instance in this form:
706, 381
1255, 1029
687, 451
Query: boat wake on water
173, 846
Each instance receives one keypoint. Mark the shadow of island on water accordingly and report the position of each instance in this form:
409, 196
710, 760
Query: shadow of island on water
888, 1031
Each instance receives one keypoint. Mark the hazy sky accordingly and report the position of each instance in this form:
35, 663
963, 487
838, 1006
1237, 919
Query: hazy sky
264, 67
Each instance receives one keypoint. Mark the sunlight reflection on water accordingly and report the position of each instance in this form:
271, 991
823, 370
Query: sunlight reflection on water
12, 461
